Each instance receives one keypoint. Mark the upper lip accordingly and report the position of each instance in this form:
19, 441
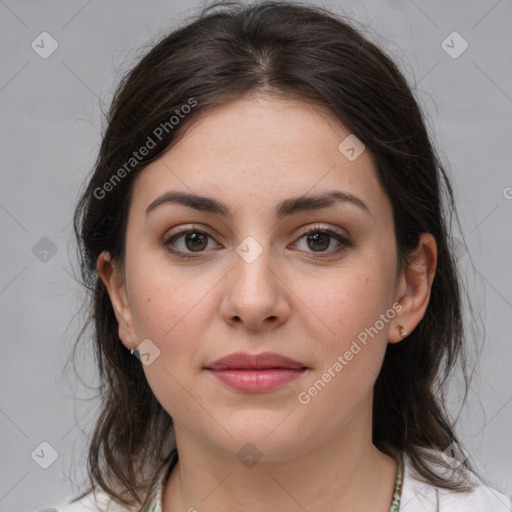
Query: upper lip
246, 361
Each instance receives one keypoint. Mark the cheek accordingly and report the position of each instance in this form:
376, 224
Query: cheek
168, 310
352, 341
170, 307
349, 302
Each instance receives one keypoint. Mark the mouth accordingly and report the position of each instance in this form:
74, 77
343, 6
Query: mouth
256, 373
262, 361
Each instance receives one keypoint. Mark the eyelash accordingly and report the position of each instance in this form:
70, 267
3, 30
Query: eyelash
315, 229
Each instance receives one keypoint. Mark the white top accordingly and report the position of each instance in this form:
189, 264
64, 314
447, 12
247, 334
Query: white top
417, 496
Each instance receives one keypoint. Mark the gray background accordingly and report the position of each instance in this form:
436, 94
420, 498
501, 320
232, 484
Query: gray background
51, 116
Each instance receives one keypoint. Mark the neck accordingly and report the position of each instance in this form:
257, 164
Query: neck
334, 476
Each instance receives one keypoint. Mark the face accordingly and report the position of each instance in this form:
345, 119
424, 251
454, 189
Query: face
304, 283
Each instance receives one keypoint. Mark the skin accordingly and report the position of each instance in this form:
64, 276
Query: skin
252, 153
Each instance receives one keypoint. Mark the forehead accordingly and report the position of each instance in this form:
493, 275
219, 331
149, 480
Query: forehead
256, 124
261, 149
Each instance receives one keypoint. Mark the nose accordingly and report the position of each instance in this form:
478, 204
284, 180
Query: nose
255, 296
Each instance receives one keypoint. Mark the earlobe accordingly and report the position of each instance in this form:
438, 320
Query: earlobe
415, 287
112, 277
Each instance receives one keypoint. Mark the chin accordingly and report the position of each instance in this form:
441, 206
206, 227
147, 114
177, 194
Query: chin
264, 441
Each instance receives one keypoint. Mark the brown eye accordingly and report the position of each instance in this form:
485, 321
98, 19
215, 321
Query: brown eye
195, 241
187, 241
319, 240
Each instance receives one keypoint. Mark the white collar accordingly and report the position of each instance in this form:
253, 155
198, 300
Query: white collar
416, 496
419, 496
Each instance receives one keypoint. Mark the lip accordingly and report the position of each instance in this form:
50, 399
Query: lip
256, 373
261, 361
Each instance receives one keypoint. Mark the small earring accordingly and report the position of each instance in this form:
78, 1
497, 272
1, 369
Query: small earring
403, 334
132, 349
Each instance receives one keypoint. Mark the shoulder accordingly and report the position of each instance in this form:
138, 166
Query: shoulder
99, 502
418, 496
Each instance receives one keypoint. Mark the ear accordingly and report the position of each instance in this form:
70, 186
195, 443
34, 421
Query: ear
414, 287
112, 276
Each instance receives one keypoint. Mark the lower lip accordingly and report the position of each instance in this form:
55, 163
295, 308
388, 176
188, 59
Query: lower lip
257, 381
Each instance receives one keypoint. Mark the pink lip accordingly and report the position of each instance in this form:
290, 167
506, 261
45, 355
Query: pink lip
256, 373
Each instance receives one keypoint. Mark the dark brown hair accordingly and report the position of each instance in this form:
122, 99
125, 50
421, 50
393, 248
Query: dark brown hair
285, 49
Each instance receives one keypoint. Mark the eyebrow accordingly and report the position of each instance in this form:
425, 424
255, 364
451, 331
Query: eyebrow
285, 208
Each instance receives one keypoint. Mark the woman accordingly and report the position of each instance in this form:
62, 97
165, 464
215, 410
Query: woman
265, 226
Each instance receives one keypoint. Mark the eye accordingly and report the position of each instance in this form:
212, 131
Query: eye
319, 239
191, 239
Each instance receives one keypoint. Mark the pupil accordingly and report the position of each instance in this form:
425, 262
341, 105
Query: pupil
318, 236
195, 237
